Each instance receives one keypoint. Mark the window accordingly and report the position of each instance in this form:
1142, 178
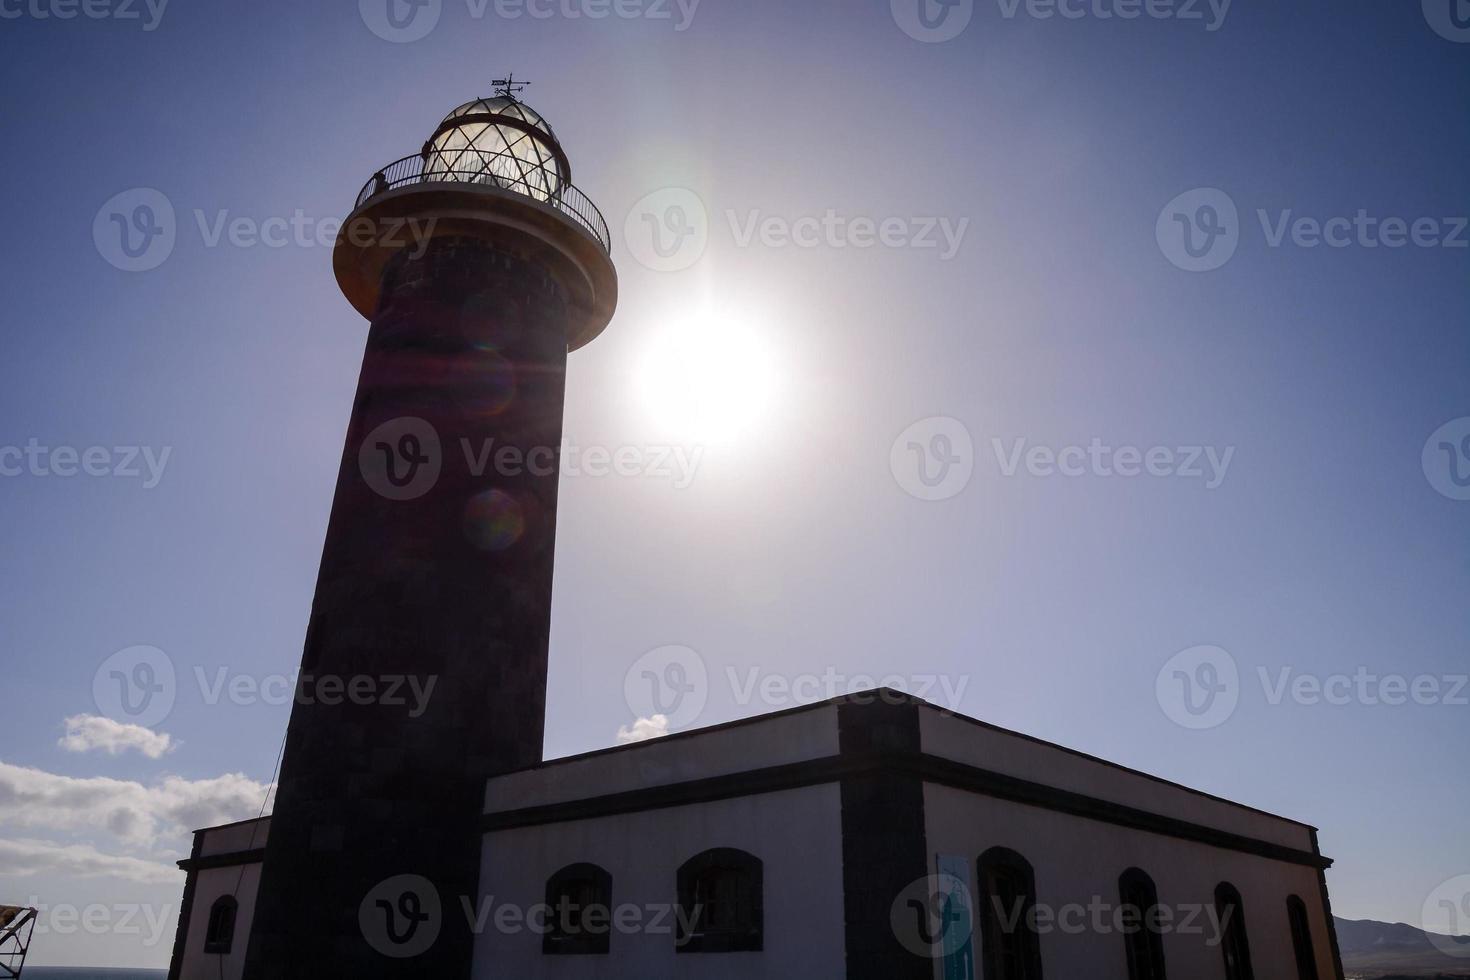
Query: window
219, 934
1142, 931
721, 905
1301, 939
1234, 943
1012, 950
579, 916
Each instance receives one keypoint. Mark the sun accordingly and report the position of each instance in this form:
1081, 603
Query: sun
709, 378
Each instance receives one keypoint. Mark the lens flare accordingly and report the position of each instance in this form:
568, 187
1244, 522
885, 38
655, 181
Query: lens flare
493, 520
482, 384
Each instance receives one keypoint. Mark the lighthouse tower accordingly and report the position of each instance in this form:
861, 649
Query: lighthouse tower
479, 266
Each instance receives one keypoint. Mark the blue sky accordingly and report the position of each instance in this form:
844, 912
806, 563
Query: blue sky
1050, 146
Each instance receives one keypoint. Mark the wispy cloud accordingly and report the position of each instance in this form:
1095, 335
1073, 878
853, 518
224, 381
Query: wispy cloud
93, 733
136, 814
644, 729
28, 857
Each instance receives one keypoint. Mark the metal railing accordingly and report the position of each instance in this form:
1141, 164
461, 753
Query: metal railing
454, 167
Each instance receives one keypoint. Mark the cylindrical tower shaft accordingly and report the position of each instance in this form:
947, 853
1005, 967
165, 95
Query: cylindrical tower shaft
435, 580
425, 662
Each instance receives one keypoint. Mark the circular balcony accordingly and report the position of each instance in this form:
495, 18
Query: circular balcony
507, 171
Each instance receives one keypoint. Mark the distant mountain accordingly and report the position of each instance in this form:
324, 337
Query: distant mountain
1389, 951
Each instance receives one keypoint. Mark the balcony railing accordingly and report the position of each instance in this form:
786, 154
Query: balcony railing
501, 170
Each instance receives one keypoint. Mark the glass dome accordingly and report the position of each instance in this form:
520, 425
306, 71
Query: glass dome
499, 141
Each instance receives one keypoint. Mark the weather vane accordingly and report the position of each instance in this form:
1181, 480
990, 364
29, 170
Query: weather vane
508, 86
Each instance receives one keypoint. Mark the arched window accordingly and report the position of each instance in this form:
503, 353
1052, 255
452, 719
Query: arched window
1234, 944
1301, 939
721, 903
579, 911
219, 934
1142, 930
1012, 949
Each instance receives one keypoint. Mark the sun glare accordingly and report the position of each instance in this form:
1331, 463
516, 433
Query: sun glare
709, 379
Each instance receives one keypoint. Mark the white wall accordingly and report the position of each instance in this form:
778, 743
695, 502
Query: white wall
244, 836
796, 833
242, 882
795, 737
960, 739
1076, 859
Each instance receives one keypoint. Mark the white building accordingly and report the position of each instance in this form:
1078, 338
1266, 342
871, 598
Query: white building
869, 836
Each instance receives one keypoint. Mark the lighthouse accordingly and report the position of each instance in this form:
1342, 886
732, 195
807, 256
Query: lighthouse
871, 836
479, 266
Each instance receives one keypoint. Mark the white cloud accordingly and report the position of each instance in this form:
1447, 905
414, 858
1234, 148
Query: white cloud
134, 813
28, 857
644, 729
84, 733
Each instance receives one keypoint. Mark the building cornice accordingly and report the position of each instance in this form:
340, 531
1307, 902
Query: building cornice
929, 768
